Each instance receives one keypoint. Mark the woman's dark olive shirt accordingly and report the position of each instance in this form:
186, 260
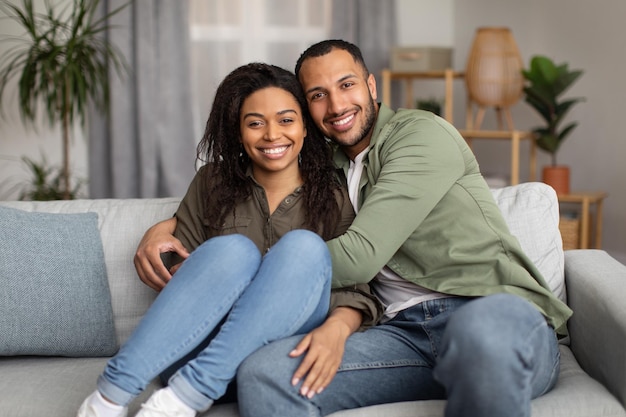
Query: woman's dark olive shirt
252, 219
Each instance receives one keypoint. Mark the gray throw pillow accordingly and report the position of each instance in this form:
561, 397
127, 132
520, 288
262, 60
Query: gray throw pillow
54, 293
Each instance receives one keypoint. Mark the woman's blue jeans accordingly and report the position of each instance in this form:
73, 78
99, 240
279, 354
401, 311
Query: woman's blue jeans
488, 356
228, 291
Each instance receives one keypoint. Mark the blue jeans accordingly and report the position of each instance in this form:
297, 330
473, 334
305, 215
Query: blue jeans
488, 356
225, 290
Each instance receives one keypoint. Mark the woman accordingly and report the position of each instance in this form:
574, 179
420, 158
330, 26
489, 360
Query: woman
256, 218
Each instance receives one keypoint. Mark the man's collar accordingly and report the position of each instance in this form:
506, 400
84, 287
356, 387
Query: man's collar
384, 116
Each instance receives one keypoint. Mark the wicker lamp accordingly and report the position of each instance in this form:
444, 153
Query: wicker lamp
493, 75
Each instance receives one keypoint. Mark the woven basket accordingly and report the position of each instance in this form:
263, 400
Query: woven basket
494, 68
570, 233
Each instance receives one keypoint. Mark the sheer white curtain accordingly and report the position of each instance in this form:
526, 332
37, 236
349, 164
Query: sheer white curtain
228, 33
179, 51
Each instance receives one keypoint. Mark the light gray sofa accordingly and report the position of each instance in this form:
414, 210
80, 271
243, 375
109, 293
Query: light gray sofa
592, 380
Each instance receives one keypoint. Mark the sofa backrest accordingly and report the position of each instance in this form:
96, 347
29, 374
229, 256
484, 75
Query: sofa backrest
530, 210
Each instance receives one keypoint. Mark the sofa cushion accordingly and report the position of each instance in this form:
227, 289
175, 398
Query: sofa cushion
51, 386
55, 298
122, 223
531, 211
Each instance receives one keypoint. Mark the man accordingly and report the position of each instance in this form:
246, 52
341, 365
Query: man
468, 317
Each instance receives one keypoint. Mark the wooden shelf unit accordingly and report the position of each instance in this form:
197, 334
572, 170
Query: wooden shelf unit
449, 75
515, 137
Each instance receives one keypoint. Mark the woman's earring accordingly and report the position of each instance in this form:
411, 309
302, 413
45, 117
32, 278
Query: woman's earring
299, 159
243, 156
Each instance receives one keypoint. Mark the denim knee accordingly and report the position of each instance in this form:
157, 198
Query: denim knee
264, 378
302, 239
304, 248
491, 330
234, 256
498, 353
235, 243
507, 313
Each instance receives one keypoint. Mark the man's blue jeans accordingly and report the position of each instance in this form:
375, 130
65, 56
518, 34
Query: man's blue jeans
224, 281
488, 356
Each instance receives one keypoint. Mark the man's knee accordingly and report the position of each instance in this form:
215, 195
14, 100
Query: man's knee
493, 312
252, 368
491, 326
269, 363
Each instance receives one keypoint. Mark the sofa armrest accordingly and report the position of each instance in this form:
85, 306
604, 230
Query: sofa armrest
596, 292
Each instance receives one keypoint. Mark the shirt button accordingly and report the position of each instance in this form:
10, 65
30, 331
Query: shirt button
288, 200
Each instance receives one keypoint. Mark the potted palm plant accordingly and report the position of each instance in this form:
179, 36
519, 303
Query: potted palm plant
546, 82
63, 63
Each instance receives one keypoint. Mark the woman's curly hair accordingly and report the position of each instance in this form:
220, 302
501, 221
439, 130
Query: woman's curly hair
226, 180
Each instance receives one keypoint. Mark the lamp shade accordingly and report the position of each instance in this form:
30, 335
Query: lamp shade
493, 75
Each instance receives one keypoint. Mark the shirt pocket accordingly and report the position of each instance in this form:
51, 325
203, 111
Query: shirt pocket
235, 225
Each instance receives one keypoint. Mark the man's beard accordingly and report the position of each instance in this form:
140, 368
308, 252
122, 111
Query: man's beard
370, 120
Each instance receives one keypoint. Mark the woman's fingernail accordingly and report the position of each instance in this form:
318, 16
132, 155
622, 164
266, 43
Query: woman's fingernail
295, 381
304, 391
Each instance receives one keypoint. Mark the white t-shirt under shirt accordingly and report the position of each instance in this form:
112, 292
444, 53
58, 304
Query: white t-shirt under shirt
395, 292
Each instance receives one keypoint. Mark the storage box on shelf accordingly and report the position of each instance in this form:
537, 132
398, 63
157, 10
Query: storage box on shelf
420, 58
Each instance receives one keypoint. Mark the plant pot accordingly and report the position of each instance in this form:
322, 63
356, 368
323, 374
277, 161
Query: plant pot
557, 176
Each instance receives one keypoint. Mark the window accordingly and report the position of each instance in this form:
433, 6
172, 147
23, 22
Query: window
227, 33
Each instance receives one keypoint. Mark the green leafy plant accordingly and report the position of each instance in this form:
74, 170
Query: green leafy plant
46, 182
431, 104
63, 62
547, 81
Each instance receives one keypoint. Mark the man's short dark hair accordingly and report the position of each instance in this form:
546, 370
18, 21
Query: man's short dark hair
324, 47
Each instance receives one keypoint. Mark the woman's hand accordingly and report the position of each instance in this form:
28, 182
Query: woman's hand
157, 240
324, 349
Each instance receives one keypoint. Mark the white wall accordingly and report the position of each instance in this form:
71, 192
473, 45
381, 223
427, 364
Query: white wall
425, 22
590, 36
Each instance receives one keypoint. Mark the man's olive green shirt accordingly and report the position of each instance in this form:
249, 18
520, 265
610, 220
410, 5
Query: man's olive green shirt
426, 212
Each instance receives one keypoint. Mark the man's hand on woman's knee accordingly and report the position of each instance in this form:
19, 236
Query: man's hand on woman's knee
323, 350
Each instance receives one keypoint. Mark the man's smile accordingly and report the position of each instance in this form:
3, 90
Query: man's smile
343, 122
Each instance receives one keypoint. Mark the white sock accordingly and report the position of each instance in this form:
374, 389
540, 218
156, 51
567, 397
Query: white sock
179, 403
105, 408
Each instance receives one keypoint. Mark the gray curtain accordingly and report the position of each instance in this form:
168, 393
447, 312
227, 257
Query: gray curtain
146, 145
369, 24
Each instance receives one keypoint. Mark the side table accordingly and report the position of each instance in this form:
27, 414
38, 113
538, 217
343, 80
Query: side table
585, 200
